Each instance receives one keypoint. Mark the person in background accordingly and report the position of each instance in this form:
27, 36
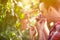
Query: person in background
50, 10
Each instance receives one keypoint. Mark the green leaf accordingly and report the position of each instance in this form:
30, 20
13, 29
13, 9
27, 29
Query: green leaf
22, 16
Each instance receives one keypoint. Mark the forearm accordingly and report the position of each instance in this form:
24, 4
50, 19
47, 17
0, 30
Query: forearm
44, 37
43, 33
32, 38
46, 32
40, 35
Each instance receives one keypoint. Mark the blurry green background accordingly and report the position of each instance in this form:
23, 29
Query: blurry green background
11, 12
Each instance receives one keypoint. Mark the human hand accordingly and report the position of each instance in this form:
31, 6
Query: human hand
32, 33
40, 24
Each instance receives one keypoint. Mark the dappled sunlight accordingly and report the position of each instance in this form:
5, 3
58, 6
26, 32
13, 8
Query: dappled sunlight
27, 19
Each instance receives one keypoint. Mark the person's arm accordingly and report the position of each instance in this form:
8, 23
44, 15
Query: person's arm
32, 33
46, 33
46, 30
43, 31
32, 38
40, 35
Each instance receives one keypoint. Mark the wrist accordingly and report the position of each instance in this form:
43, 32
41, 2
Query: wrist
40, 30
40, 35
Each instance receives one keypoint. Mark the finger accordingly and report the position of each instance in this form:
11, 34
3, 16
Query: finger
32, 28
42, 21
32, 31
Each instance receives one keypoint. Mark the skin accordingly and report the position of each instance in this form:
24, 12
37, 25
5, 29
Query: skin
51, 15
32, 33
42, 29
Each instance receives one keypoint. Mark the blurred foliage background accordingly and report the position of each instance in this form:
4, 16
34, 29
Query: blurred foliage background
14, 17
